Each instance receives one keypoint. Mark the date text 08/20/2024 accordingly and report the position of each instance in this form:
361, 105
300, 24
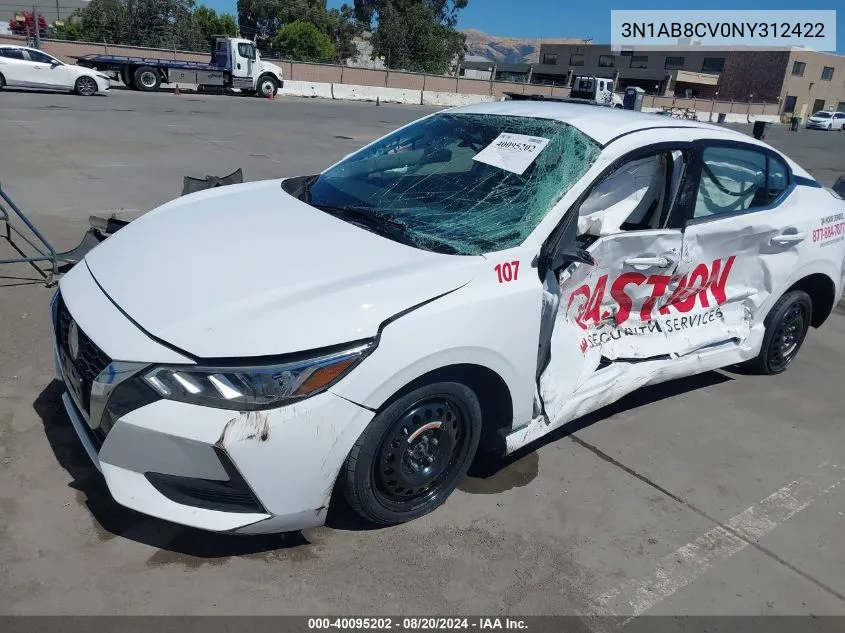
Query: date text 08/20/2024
416, 623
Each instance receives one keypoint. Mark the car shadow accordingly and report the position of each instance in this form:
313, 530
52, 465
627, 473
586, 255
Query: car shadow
488, 466
48, 91
114, 520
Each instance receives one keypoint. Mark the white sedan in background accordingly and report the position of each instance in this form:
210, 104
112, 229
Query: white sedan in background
475, 279
827, 121
23, 67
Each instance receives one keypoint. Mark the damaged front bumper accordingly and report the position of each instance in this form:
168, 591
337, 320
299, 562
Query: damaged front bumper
212, 469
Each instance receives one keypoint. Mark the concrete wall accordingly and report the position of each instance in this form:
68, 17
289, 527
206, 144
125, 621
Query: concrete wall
328, 81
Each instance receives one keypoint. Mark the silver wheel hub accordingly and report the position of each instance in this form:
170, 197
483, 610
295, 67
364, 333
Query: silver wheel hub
148, 79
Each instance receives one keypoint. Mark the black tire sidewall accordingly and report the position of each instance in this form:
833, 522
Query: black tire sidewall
357, 482
261, 80
136, 76
2, 81
76, 86
773, 320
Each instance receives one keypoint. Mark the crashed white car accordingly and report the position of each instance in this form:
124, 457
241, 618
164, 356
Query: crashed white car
469, 282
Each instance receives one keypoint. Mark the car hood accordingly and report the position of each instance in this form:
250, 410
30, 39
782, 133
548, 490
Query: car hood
249, 270
814, 119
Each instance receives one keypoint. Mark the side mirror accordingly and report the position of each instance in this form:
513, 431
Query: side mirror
563, 258
55, 64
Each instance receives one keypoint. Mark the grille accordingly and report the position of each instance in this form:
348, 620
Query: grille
91, 359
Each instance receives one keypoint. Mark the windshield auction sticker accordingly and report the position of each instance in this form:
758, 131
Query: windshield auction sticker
512, 152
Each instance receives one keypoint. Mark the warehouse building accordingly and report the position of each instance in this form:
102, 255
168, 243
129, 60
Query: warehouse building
800, 80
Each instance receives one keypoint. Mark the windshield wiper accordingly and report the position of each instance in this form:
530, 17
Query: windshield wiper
371, 220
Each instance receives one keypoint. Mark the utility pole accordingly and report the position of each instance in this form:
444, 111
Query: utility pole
58, 14
37, 26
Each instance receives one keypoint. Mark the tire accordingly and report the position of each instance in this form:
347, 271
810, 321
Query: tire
147, 79
85, 86
126, 76
387, 482
2, 81
267, 86
786, 327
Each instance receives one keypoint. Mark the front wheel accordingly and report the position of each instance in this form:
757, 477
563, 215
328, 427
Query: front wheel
786, 327
2, 81
267, 86
85, 86
413, 454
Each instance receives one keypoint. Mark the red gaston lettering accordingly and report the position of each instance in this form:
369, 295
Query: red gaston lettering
690, 288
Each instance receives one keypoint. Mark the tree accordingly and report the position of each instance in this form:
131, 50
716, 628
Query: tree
103, 21
415, 35
263, 19
304, 41
208, 23
26, 25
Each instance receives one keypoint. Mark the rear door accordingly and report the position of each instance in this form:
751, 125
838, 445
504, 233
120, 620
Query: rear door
14, 67
747, 236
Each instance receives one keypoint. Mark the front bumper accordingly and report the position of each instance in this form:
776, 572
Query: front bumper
213, 469
103, 85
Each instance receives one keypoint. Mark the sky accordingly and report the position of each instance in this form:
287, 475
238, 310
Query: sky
560, 18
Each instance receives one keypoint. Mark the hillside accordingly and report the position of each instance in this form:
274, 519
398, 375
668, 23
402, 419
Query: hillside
508, 49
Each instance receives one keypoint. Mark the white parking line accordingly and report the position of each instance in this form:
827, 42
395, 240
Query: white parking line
682, 567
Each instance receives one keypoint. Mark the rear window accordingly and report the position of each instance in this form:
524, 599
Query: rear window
11, 53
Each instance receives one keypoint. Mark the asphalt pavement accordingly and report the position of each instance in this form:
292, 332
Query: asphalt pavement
718, 494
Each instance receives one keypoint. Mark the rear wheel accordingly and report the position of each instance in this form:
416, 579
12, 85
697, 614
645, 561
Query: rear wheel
85, 86
147, 79
413, 454
786, 328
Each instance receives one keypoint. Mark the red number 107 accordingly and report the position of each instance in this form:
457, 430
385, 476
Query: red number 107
507, 271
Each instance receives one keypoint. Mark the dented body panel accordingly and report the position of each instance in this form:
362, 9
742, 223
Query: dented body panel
685, 236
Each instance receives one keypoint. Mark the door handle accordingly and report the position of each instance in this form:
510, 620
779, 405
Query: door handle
649, 262
788, 239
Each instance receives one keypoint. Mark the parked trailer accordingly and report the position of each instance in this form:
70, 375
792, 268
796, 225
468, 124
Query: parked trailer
235, 63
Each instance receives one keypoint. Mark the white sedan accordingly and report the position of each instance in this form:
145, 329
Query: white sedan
826, 121
23, 67
471, 281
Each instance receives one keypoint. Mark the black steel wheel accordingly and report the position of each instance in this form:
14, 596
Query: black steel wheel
786, 328
413, 454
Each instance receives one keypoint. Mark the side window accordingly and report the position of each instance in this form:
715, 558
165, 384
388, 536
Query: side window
732, 180
777, 179
38, 56
246, 50
637, 196
12, 53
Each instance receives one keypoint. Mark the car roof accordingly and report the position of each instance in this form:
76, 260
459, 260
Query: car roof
601, 123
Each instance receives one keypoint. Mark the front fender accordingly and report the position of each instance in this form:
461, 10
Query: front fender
486, 323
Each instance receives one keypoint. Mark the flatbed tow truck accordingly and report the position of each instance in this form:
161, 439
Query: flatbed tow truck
235, 63
585, 89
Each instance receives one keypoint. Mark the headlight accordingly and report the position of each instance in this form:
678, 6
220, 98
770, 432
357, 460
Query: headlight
252, 388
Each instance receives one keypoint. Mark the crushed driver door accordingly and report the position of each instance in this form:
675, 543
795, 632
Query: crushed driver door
643, 298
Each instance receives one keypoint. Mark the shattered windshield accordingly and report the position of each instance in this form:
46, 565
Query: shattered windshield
458, 183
